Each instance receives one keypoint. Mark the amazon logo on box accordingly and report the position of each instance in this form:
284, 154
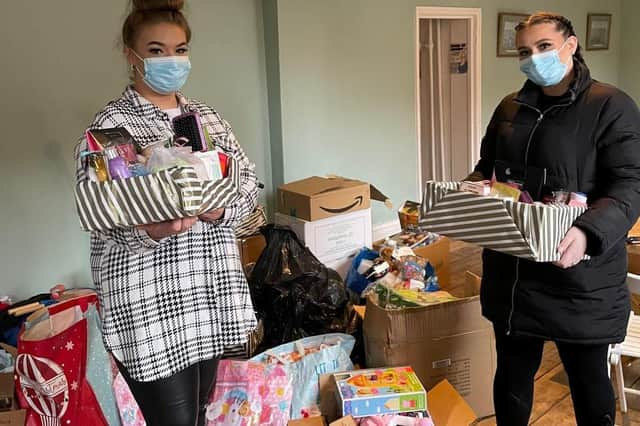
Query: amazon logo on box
317, 197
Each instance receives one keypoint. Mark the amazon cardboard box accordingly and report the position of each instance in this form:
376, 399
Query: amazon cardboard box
449, 341
317, 197
335, 239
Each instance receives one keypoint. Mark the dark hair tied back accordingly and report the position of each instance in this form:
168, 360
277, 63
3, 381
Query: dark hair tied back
562, 23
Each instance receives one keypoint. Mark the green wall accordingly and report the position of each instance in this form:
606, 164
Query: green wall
347, 79
61, 64
340, 99
630, 52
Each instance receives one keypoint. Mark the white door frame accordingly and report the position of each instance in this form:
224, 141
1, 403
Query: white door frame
474, 15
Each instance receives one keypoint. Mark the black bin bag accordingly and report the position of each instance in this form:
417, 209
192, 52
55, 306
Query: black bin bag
293, 292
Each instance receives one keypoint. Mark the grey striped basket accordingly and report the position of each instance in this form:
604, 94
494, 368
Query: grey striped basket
531, 231
166, 195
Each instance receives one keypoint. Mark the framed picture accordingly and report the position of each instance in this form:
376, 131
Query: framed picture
598, 30
507, 23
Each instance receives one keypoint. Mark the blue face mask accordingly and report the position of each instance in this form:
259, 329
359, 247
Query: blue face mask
165, 74
545, 69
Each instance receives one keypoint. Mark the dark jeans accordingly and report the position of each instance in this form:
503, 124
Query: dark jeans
179, 400
586, 366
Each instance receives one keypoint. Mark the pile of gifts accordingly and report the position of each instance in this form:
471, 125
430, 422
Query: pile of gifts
112, 155
515, 191
396, 277
164, 181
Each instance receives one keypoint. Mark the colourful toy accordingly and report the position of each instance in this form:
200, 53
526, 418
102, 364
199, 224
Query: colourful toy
380, 391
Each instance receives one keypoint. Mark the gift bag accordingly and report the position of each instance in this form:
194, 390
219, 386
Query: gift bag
62, 373
305, 361
128, 409
250, 394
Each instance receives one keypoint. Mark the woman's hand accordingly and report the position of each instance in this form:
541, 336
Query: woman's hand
160, 230
572, 248
212, 215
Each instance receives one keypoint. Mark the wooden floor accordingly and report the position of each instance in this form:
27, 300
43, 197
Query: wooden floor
552, 400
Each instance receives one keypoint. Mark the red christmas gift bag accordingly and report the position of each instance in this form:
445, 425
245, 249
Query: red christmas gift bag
51, 367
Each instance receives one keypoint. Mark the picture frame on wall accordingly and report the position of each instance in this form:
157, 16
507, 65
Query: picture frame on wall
598, 31
507, 23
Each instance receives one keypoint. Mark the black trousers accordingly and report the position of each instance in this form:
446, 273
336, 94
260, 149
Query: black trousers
586, 366
179, 400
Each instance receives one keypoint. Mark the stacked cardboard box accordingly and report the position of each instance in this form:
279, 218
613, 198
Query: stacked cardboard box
331, 215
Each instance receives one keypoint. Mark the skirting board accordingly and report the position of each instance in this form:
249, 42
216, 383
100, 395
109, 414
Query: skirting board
383, 230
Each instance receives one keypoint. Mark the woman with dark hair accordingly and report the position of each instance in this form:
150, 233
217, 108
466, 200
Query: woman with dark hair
585, 137
173, 295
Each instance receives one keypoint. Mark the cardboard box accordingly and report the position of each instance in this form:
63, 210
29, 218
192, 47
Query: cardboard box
409, 214
251, 248
447, 341
333, 238
6, 391
447, 407
344, 421
633, 253
316, 197
309, 421
13, 418
438, 255
371, 392
10, 415
530, 231
635, 230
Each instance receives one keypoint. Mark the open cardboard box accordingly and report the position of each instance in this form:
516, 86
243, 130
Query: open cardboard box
437, 253
445, 405
451, 341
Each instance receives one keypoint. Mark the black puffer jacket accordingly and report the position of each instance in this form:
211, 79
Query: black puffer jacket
589, 141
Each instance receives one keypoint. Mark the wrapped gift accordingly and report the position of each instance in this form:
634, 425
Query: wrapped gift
531, 231
169, 194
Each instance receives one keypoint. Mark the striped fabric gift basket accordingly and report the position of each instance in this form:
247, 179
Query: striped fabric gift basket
530, 231
169, 194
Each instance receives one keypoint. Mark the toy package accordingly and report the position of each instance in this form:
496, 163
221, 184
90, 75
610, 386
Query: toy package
373, 392
250, 393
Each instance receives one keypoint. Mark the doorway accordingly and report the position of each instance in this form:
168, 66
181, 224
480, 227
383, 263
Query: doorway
447, 92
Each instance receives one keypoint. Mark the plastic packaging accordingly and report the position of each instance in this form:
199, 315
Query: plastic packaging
98, 165
295, 294
250, 393
118, 167
305, 360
